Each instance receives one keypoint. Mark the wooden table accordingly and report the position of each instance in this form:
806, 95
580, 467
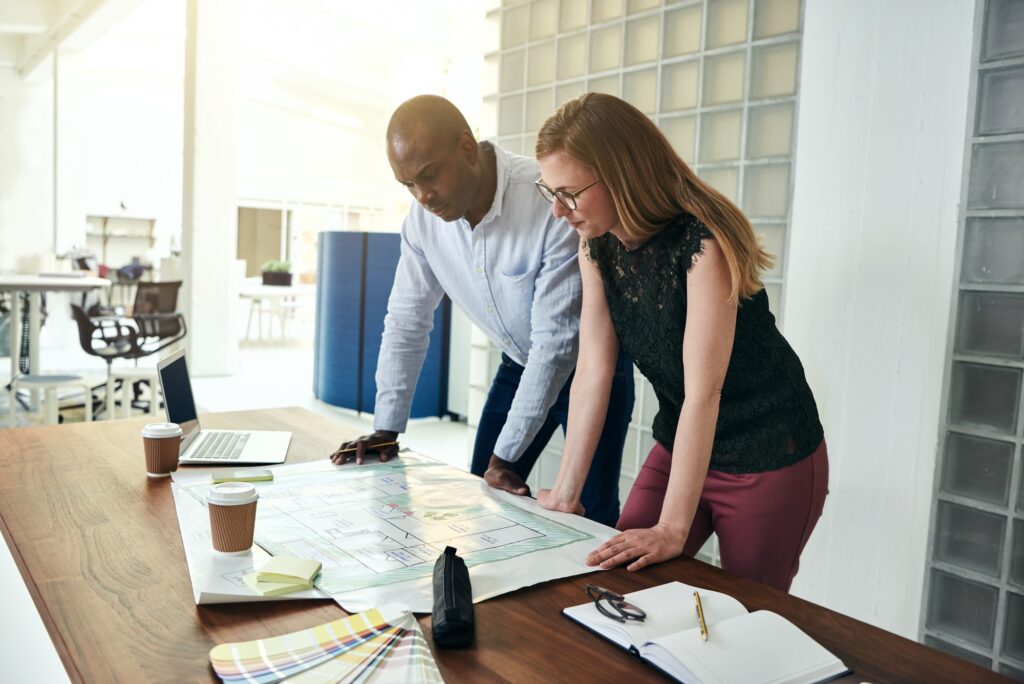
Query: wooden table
98, 545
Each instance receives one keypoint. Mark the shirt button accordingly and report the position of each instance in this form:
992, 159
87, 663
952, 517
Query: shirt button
479, 269
505, 340
490, 309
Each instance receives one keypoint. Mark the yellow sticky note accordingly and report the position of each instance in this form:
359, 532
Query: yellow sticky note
289, 569
272, 588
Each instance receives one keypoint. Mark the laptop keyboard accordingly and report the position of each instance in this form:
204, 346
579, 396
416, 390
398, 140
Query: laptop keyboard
221, 446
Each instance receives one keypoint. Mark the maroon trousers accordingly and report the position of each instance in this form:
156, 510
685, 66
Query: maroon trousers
763, 520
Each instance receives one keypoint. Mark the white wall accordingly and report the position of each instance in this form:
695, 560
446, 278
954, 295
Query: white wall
880, 141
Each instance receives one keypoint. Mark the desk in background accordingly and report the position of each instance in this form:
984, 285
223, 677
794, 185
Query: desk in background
98, 545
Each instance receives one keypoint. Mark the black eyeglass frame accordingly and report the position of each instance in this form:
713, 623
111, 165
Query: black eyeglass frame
623, 610
566, 198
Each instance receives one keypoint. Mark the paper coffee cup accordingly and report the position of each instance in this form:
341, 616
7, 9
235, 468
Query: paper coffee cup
161, 442
232, 508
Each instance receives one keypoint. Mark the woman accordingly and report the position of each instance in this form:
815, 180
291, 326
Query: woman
670, 270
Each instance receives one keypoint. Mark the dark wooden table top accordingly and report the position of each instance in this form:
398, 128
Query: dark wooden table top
98, 545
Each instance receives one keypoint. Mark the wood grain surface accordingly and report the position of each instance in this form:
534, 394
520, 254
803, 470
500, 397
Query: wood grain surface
98, 545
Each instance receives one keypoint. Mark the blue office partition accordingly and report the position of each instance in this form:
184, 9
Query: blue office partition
356, 274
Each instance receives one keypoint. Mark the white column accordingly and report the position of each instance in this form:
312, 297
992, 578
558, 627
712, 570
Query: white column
879, 167
209, 197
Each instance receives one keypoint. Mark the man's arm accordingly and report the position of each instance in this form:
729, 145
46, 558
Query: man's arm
554, 339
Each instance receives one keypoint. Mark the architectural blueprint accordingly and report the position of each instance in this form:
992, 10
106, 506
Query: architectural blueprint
378, 528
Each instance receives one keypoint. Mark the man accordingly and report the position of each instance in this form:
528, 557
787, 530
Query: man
480, 232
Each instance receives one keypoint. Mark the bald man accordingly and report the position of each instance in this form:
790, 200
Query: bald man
481, 233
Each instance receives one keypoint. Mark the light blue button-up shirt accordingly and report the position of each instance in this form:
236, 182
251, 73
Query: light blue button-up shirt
515, 275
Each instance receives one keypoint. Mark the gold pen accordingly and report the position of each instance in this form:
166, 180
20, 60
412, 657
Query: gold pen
700, 616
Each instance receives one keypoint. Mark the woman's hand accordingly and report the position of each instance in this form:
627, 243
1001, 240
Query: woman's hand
644, 547
547, 499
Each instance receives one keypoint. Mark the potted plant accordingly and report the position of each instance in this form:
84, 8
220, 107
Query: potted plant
277, 273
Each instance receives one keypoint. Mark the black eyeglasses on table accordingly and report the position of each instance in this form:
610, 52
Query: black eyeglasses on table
613, 605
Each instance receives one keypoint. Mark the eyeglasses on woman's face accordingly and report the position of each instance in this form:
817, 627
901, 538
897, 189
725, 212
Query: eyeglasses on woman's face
566, 199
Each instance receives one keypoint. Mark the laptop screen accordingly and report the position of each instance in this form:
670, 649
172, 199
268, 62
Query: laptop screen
181, 407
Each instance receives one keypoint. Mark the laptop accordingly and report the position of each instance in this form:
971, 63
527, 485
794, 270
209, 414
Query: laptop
212, 447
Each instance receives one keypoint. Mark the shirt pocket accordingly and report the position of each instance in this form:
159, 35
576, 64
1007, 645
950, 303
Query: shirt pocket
517, 300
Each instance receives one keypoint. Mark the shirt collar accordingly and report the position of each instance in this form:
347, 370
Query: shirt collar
501, 171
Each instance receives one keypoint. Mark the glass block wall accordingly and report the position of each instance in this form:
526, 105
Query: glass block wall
718, 76
974, 587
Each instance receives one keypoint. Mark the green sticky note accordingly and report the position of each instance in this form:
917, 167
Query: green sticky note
289, 569
272, 588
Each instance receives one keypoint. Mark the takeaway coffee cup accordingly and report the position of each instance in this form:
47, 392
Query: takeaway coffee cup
232, 516
161, 441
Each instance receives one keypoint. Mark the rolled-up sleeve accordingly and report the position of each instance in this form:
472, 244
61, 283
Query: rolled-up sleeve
554, 341
407, 325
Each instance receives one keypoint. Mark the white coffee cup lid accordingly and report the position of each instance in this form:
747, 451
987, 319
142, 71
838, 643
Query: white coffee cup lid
232, 494
160, 430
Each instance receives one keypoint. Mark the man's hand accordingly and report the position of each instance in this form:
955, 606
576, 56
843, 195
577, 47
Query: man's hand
547, 499
382, 442
501, 476
643, 547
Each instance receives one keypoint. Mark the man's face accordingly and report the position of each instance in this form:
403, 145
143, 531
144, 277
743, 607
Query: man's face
441, 173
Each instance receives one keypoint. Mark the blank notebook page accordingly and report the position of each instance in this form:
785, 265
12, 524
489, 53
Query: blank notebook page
761, 647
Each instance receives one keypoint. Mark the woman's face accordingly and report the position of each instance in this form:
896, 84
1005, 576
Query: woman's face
595, 212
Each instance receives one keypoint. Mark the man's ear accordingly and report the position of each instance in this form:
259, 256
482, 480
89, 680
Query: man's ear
468, 148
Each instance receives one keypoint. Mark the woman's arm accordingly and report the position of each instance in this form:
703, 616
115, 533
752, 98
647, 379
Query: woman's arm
707, 346
588, 398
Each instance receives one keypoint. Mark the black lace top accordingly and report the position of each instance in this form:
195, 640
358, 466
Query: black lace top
767, 416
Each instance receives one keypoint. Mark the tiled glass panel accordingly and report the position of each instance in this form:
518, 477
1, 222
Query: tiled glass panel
997, 176
770, 131
629, 459
604, 48
646, 444
766, 191
681, 132
515, 26
491, 38
573, 14
539, 106
1017, 557
1001, 101
970, 538
992, 249
543, 19
1013, 630
603, 10
772, 237
572, 56
977, 467
642, 40
541, 65
775, 17
726, 181
957, 651
605, 84
774, 71
720, 135
568, 91
727, 22
1011, 671
1004, 29
489, 118
991, 323
634, 6
962, 608
513, 66
640, 89
679, 86
510, 115
492, 66
723, 78
682, 31
985, 396
514, 145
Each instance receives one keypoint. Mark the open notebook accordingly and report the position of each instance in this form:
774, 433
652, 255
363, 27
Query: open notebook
742, 647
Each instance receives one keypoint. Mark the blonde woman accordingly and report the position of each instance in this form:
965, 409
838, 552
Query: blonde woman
670, 271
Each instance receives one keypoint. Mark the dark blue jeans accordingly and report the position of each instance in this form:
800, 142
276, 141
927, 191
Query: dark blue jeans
601, 491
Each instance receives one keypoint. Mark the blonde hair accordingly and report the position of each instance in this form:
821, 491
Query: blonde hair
649, 183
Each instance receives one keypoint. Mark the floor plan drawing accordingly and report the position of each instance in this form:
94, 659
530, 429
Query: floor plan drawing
385, 523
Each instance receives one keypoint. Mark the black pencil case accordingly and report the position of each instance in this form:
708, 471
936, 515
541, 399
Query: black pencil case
453, 602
